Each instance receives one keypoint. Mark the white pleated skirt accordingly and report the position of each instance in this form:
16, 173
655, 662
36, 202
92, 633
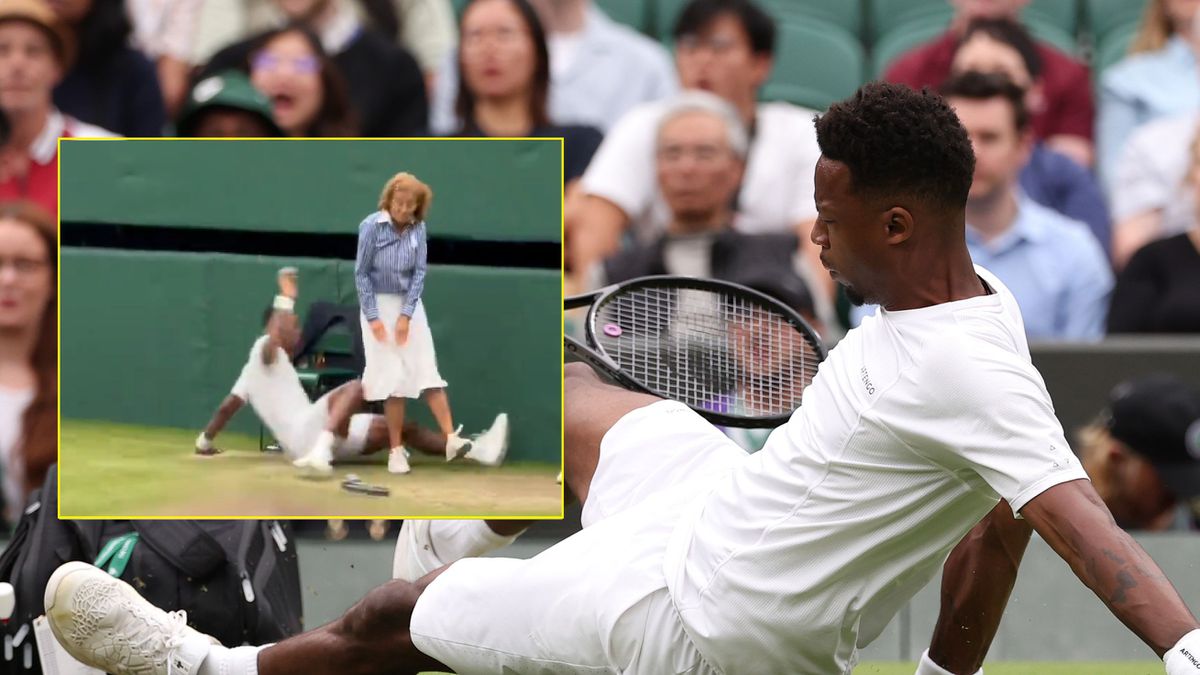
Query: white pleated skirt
393, 370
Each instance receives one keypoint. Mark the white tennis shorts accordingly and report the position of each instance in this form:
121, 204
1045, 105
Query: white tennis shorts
596, 602
393, 370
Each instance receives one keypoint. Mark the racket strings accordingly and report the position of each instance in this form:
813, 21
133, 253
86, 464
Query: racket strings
711, 350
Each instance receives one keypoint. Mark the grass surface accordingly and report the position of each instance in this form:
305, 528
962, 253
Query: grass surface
122, 471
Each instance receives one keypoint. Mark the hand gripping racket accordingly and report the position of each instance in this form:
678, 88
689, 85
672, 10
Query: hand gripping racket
734, 355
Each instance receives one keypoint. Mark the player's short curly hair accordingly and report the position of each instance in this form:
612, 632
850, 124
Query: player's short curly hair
899, 142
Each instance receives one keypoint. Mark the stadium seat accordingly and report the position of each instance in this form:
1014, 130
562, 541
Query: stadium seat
906, 36
632, 13
1112, 47
903, 38
885, 16
1105, 16
845, 14
1062, 14
815, 64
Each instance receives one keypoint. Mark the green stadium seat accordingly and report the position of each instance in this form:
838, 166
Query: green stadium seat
886, 16
903, 38
1105, 16
845, 14
1112, 47
815, 64
1062, 14
632, 13
906, 36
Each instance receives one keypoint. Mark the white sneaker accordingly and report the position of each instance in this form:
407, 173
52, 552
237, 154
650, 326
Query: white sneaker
490, 447
398, 461
559, 479
415, 556
104, 623
313, 466
455, 444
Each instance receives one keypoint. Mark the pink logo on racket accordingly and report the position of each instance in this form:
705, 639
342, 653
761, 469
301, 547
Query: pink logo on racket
612, 330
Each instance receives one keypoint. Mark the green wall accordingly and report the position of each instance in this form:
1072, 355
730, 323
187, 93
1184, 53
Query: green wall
158, 338
496, 190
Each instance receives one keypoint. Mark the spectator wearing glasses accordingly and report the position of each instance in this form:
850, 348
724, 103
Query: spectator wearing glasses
307, 94
383, 81
28, 352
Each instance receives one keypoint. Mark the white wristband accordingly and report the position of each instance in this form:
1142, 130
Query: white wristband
928, 667
1184, 657
202, 442
284, 304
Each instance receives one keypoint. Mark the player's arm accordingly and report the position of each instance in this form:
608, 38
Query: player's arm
976, 582
1076, 524
284, 304
220, 418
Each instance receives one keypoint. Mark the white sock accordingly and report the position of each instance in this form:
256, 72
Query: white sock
324, 446
226, 661
458, 539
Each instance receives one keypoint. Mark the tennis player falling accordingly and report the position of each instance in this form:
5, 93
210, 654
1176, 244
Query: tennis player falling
927, 437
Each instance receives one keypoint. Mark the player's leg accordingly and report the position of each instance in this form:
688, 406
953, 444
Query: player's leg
393, 412
104, 623
339, 405
371, 637
439, 405
591, 407
489, 447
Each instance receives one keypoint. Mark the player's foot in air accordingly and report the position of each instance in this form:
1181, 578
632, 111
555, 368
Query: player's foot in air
490, 447
104, 623
456, 446
398, 461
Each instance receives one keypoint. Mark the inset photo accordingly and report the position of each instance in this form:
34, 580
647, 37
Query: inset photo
310, 328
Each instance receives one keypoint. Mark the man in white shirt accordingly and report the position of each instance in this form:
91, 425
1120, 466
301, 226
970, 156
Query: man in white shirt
315, 433
724, 47
926, 435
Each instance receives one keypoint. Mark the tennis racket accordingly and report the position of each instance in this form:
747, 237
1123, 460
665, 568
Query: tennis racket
734, 355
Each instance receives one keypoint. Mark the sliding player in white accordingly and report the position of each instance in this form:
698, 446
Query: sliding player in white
927, 437
313, 434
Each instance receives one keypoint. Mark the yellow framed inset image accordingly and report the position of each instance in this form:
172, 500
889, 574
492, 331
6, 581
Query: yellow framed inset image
332, 328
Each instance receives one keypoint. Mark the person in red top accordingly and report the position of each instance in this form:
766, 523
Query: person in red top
1065, 121
35, 51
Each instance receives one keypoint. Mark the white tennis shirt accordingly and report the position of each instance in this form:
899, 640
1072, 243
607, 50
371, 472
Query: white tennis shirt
275, 393
916, 425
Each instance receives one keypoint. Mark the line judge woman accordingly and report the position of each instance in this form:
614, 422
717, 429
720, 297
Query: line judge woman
389, 273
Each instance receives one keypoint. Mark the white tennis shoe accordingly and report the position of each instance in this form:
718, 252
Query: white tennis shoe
455, 444
103, 622
398, 461
490, 447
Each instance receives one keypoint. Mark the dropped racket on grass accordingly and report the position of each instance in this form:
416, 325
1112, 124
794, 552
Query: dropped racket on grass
734, 355
353, 483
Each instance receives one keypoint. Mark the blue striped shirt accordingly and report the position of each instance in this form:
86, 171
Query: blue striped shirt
389, 262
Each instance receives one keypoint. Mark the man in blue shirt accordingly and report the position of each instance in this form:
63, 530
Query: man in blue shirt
1053, 265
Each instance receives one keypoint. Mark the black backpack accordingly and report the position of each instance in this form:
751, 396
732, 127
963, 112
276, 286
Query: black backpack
239, 580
